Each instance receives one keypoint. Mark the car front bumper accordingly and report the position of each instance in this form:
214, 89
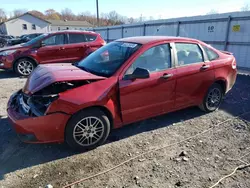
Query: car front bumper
43, 129
6, 62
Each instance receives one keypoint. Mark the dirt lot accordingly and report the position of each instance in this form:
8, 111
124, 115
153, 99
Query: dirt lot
208, 156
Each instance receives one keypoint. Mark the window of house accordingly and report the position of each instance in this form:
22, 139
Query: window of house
188, 53
76, 38
212, 55
59, 29
54, 40
90, 37
67, 28
155, 59
25, 26
33, 26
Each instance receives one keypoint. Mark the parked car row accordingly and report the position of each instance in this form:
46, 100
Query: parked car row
8, 40
125, 81
22, 39
56, 47
4, 40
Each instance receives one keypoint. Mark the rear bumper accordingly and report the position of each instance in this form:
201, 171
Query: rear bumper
231, 79
43, 129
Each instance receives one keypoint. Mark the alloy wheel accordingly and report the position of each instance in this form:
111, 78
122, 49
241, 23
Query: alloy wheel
25, 67
213, 99
88, 131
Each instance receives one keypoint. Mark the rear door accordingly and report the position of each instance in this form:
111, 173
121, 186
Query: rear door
53, 50
194, 74
76, 48
144, 98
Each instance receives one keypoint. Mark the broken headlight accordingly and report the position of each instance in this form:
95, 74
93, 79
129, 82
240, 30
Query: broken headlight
39, 103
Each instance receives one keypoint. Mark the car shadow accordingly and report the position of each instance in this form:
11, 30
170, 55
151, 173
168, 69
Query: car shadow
4, 74
237, 101
16, 155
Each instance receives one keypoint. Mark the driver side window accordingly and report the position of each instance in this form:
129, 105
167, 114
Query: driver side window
54, 40
155, 59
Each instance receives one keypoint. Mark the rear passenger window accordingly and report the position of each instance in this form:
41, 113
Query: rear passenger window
188, 53
212, 55
76, 38
90, 37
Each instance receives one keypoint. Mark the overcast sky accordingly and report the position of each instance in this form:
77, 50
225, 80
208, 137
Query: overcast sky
131, 8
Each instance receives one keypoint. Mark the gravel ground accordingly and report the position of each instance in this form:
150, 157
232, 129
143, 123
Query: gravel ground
207, 157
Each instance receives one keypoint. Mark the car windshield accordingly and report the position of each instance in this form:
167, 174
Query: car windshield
34, 40
107, 60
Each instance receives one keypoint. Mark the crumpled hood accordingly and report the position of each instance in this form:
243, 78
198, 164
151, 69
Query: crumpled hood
18, 46
44, 75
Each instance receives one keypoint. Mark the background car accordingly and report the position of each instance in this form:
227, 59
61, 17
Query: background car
22, 39
142, 77
57, 47
4, 40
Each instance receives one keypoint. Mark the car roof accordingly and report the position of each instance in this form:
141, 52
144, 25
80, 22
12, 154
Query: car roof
73, 31
153, 39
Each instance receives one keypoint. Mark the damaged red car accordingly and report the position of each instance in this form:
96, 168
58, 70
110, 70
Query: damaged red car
127, 80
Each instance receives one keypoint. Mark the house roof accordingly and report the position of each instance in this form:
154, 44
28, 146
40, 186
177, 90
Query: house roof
70, 23
27, 13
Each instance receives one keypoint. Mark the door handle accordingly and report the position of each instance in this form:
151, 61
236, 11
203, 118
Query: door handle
167, 76
61, 48
204, 67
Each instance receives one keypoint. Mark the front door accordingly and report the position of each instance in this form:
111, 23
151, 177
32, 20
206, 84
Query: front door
53, 50
144, 98
194, 75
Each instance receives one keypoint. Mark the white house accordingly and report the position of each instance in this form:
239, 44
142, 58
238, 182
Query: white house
57, 25
28, 24
24, 24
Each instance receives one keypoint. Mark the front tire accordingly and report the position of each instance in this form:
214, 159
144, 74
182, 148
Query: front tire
212, 99
87, 129
24, 67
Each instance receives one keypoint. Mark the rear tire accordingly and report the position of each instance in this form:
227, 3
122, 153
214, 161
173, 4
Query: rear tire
87, 129
24, 66
212, 99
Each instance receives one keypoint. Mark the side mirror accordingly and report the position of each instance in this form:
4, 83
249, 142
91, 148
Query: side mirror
138, 73
42, 44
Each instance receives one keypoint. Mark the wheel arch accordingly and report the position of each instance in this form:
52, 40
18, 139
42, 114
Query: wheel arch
222, 83
102, 108
24, 57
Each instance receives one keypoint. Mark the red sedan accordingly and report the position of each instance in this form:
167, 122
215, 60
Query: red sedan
127, 80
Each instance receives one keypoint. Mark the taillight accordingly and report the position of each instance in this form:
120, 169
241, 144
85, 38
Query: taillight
103, 43
234, 64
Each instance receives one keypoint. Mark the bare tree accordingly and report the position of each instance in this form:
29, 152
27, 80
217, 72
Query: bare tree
212, 12
245, 8
114, 18
19, 12
67, 14
131, 20
52, 14
151, 18
37, 13
3, 16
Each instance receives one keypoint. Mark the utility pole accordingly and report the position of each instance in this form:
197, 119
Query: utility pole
97, 12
